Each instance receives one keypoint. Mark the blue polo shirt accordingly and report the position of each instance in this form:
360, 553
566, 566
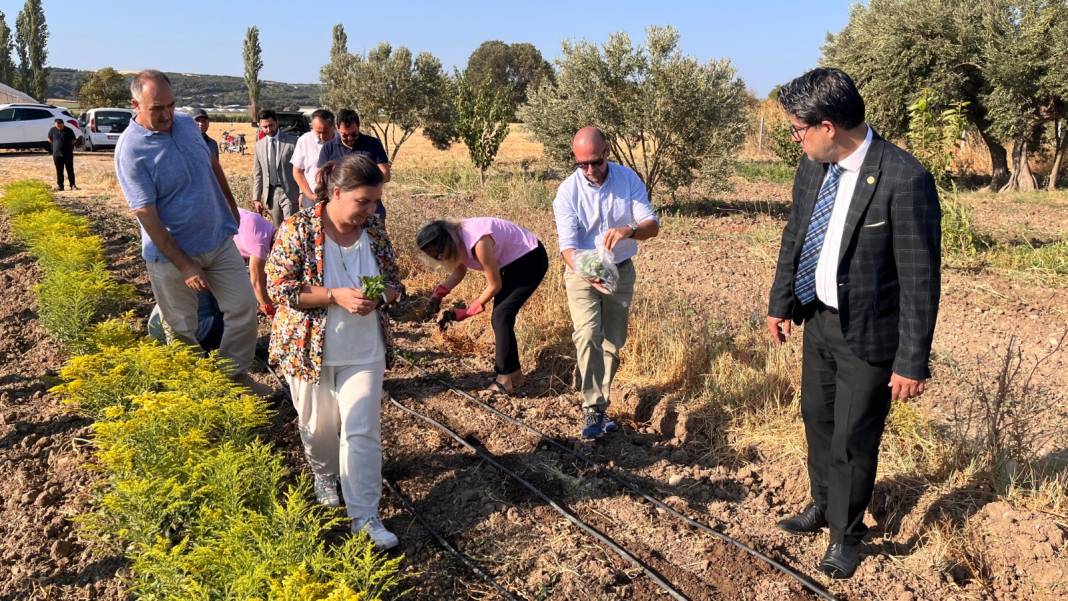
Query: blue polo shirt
172, 170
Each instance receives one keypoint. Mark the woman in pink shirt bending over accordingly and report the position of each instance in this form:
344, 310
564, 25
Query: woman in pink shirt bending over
514, 263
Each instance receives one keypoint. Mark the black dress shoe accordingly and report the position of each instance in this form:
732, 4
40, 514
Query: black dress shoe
840, 560
808, 521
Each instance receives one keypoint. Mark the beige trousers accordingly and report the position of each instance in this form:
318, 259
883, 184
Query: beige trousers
600, 329
228, 278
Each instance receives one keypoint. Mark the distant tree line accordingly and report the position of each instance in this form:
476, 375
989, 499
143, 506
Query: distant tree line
207, 90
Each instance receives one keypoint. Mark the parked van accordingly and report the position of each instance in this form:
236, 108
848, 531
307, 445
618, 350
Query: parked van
102, 126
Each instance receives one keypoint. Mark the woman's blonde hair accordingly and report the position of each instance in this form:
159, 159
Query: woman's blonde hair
440, 239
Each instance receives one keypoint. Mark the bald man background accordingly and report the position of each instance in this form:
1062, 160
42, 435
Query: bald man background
601, 203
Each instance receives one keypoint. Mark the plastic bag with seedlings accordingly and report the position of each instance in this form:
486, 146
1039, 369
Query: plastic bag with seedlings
600, 265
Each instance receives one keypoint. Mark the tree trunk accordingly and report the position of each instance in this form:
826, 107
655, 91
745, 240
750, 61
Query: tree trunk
481, 177
1058, 155
998, 159
1021, 180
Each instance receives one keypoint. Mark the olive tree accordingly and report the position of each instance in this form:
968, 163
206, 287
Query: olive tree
394, 92
1028, 76
666, 115
896, 49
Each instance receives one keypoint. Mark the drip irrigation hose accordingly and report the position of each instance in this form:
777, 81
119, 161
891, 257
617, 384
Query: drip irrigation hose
802, 579
578, 523
464, 559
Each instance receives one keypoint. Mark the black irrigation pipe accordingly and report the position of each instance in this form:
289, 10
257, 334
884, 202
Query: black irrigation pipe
578, 523
395, 490
464, 559
802, 579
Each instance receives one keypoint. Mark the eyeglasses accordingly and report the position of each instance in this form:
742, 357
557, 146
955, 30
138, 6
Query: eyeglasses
796, 132
588, 164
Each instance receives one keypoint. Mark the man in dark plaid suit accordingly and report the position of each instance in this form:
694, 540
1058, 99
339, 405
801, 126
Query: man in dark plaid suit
859, 266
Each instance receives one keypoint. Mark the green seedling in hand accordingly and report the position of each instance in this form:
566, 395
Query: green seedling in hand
373, 286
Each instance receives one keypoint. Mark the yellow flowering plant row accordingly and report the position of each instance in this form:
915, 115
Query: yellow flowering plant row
190, 494
77, 290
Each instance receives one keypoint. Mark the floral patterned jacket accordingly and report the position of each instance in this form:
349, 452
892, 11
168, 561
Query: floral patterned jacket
296, 260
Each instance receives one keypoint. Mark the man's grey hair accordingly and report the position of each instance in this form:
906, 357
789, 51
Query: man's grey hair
138, 81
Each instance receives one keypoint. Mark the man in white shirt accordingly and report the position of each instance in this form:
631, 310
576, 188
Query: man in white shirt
306, 155
600, 204
273, 185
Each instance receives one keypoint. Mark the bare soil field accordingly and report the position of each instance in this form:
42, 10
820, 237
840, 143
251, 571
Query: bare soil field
714, 258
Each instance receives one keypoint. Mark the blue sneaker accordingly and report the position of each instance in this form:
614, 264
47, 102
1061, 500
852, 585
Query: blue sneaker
597, 425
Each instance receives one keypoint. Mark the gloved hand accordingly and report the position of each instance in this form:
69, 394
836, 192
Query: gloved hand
435, 300
473, 309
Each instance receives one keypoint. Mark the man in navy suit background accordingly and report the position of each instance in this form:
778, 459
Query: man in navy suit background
859, 265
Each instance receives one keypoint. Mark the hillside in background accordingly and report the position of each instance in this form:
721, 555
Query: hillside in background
201, 90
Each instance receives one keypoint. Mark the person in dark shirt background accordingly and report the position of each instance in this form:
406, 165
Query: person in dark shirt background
204, 122
348, 141
62, 139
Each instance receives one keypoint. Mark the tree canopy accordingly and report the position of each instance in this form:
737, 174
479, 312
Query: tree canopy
666, 115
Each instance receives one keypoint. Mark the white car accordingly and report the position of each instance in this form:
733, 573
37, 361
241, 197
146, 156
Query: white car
102, 126
26, 126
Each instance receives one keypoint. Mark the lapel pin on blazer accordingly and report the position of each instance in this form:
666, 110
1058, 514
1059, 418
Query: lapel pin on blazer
871, 179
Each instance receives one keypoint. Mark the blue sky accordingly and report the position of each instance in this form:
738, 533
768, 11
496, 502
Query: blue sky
768, 41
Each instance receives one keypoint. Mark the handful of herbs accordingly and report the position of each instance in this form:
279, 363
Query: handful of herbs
373, 286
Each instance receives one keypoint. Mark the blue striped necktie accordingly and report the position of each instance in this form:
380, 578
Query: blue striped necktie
805, 282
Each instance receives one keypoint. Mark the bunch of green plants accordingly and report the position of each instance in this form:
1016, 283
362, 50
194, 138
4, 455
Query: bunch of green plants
373, 286
77, 289
199, 504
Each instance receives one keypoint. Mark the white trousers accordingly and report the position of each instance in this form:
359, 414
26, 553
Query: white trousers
339, 422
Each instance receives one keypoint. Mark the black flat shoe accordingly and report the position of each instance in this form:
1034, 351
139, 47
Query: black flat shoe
840, 561
807, 522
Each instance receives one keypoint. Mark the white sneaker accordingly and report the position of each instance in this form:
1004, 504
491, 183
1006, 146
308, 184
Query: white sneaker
326, 490
383, 539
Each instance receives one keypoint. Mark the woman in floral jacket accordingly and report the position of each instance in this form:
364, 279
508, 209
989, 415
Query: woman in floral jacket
331, 341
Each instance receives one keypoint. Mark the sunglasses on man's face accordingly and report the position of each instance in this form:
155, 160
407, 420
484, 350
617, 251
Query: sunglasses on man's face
588, 164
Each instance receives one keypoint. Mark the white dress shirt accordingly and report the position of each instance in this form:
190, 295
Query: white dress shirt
827, 266
306, 156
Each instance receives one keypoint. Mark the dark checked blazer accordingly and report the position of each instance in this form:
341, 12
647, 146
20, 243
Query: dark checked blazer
889, 277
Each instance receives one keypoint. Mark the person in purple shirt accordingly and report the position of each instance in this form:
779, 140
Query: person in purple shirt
178, 192
514, 263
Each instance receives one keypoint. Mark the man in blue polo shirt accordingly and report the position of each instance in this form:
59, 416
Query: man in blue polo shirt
601, 204
348, 141
178, 192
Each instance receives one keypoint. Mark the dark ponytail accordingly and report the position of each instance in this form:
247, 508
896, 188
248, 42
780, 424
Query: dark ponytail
348, 173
